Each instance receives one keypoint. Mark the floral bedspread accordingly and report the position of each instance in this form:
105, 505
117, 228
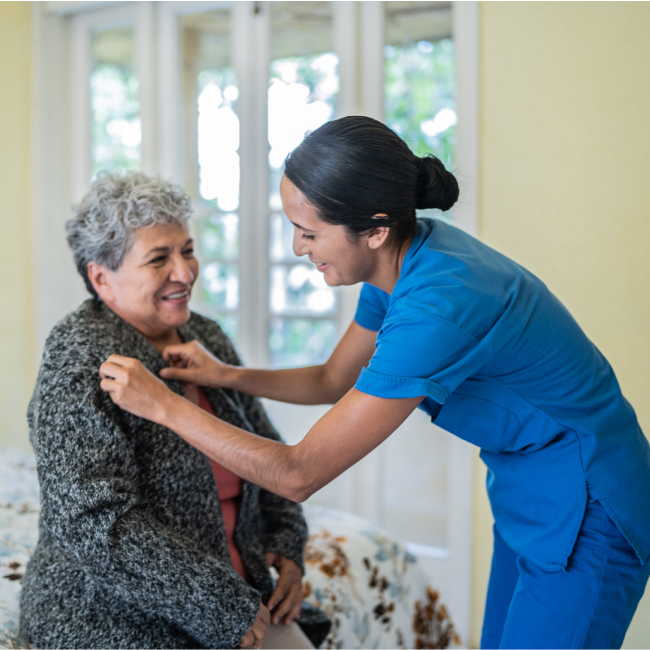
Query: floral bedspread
366, 582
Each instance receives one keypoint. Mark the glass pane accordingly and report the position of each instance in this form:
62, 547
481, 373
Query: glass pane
212, 169
420, 77
211, 93
218, 138
300, 290
229, 323
303, 83
219, 237
220, 285
281, 239
300, 342
116, 133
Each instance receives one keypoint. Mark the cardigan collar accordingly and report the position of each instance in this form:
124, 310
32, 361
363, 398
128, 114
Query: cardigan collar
132, 343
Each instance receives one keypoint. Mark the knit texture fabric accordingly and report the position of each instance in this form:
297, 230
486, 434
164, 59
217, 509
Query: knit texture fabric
132, 549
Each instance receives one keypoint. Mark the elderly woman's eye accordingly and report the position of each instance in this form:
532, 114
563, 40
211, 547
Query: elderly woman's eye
158, 260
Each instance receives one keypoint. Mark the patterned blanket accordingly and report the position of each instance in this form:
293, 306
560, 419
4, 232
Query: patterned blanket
367, 583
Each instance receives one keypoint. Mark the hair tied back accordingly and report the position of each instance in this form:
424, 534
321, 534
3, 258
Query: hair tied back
436, 187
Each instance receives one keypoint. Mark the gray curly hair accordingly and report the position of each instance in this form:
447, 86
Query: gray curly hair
102, 226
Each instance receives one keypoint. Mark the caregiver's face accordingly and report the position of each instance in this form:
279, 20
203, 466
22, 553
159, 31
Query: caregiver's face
151, 290
340, 259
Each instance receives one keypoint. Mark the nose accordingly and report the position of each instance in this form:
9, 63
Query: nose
181, 271
299, 244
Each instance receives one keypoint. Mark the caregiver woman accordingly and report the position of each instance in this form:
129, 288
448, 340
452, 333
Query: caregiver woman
446, 324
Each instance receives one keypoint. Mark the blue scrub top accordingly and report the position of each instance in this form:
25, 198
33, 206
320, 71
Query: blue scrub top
502, 364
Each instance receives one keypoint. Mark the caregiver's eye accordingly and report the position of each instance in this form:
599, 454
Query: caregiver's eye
308, 237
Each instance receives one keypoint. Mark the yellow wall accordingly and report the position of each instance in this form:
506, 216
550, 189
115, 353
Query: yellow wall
565, 184
16, 321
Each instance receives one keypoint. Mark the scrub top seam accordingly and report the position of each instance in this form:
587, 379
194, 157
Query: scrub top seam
447, 320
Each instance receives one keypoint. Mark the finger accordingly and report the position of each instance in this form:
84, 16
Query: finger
247, 640
285, 606
259, 633
180, 374
277, 595
109, 385
119, 360
179, 351
294, 613
260, 629
112, 371
178, 362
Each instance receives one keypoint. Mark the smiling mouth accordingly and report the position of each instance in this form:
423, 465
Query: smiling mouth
178, 295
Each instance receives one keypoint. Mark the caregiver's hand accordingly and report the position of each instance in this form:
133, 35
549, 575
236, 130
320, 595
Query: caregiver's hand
286, 600
192, 363
132, 387
257, 633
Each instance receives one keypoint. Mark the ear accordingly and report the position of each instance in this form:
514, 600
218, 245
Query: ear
100, 277
379, 235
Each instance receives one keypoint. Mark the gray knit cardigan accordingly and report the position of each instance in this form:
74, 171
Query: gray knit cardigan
132, 551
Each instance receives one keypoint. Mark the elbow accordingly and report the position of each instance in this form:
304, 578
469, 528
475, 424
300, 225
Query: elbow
332, 386
300, 489
302, 481
301, 494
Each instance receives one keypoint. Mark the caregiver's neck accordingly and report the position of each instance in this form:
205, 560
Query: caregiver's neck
388, 268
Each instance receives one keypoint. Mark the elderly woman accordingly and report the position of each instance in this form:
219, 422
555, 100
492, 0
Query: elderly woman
144, 542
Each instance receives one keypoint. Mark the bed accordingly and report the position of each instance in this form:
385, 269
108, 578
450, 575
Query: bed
368, 584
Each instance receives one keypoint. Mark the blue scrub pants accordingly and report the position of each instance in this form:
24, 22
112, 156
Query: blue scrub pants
589, 605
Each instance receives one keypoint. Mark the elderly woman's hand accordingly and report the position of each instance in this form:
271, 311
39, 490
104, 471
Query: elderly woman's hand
132, 387
286, 600
257, 633
192, 363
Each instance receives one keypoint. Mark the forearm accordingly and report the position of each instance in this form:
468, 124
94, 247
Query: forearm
344, 435
271, 465
308, 385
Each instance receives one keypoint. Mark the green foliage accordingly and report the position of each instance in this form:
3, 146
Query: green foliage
115, 114
419, 81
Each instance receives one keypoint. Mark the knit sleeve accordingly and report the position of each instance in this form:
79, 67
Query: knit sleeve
92, 509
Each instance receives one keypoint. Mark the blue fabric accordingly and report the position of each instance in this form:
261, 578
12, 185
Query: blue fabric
590, 605
501, 363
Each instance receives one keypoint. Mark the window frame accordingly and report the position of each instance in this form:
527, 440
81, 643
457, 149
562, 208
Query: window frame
136, 14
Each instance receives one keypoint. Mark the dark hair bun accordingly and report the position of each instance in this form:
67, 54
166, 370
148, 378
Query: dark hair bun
437, 188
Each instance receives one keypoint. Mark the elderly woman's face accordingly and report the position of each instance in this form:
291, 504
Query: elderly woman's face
151, 290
